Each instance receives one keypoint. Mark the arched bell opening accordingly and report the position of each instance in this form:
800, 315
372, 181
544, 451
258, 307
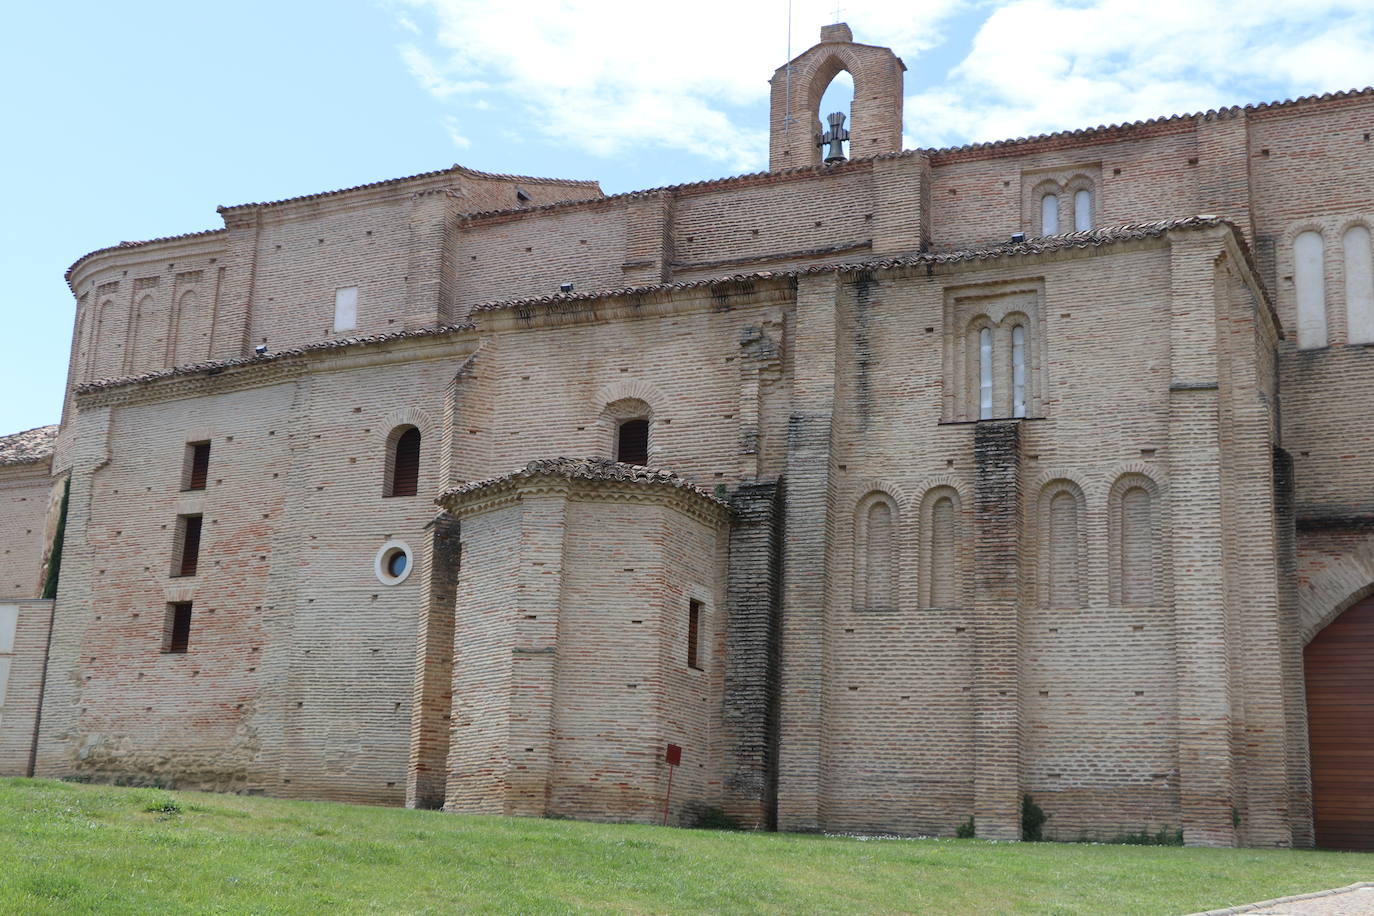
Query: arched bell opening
833, 117
1338, 670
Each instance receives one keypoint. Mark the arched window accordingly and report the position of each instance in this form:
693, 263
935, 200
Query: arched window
1082, 210
1018, 371
1359, 284
403, 462
1309, 282
1138, 568
875, 543
1062, 547
985, 374
879, 548
1049, 214
632, 442
1135, 542
940, 570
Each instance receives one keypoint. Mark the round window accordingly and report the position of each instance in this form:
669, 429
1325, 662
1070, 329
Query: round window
393, 563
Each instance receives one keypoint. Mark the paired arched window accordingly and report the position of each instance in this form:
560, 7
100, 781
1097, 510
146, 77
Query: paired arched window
1312, 292
1001, 390
1062, 202
403, 462
1137, 561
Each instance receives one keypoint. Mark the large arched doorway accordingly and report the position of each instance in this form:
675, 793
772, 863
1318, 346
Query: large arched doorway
1339, 668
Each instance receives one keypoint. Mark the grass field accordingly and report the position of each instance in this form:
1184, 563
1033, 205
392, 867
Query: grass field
68, 848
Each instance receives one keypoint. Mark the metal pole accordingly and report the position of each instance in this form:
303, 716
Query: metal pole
667, 797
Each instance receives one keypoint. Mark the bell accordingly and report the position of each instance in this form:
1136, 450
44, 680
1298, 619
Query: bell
835, 137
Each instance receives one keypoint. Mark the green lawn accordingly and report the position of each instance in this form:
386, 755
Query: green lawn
68, 848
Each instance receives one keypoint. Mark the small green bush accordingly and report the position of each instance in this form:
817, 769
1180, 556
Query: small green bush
715, 819
1033, 819
966, 831
1163, 837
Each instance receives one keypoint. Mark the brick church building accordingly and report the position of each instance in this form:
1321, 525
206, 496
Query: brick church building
890, 488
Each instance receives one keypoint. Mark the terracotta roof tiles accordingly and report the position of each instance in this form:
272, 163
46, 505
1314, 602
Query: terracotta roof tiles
29, 446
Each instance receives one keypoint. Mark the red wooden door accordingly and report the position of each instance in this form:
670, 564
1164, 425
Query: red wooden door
1339, 666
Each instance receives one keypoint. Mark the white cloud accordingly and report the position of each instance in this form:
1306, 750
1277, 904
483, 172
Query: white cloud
1045, 65
608, 76
451, 126
612, 77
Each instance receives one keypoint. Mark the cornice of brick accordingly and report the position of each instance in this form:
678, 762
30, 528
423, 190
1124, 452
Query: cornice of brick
585, 479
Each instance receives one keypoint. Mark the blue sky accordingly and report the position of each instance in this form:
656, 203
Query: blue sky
134, 120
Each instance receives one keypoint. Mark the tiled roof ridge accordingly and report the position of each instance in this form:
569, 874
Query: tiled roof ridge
1210, 114
746, 177
725, 181
1087, 239
222, 364
28, 446
451, 170
585, 469
166, 238
1091, 238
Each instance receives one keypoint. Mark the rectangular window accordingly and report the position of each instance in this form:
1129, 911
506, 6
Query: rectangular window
346, 308
187, 546
693, 634
176, 632
196, 467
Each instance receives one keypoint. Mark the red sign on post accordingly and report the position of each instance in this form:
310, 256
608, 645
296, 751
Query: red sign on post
673, 757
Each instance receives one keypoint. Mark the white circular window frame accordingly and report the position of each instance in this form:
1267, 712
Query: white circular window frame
384, 553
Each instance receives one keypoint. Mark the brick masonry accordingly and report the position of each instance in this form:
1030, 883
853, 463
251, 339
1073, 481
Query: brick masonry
1101, 603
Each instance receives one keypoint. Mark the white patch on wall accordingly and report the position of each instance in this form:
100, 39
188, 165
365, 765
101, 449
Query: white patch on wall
346, 308
1359, 284
9, 621
1309, 281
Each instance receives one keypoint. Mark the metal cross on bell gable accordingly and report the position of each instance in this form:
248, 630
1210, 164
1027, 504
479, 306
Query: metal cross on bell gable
835, 137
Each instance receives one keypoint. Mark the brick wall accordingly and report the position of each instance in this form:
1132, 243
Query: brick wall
25, 494
24, 627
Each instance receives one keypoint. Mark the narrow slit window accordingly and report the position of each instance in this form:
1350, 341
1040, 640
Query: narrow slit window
632, 442
197, 465
1018, 371
405, 464
188, 545
985, 374
346, 309
1049, 214
1082, 211
177, 631
694, 634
